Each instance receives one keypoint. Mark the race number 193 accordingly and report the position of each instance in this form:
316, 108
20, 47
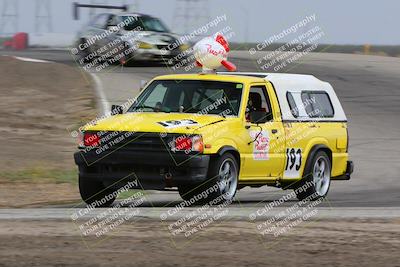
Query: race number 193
293, 162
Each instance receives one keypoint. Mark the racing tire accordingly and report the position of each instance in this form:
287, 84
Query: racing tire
317, 179
93, 192
221, 185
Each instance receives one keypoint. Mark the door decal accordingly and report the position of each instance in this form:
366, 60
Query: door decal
260, 144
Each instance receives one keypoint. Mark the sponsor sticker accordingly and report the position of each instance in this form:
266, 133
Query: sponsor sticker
177, 123
260, 145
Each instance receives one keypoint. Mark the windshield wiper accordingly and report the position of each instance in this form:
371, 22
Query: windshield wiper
211, 123
153, 108
143, 106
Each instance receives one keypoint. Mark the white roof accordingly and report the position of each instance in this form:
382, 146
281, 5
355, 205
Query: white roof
296, 83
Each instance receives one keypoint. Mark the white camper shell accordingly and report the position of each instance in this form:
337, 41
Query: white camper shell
291, 89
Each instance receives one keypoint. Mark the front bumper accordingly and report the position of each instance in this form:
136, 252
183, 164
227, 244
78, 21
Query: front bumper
155, 54
152, 169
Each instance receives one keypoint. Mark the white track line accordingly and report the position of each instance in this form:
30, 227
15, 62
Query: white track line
32, 60
241, 214
27, 59
102, 99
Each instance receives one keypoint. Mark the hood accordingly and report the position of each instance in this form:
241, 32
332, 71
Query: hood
156, 122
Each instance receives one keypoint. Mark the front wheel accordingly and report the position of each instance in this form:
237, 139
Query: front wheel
84, 54
317, 178
93, 192
221, 185
226, 172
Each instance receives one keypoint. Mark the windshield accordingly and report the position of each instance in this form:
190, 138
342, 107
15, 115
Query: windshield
144, 23
190, 96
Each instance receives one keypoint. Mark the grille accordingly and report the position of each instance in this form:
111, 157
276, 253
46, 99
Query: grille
135, 141
162, 46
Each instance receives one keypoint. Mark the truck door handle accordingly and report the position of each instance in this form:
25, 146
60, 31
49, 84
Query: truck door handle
274, 131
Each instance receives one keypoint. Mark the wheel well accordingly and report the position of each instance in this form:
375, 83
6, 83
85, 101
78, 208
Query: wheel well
328, 152
311, 155
236, 154
314, 150
232, 150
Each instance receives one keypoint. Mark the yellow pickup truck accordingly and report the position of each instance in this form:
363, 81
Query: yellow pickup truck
211, 134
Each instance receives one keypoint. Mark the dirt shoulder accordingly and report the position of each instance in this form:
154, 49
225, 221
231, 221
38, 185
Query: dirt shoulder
148, 243
41, 104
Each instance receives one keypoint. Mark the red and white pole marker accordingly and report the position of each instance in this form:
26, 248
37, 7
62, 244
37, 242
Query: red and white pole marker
212, 52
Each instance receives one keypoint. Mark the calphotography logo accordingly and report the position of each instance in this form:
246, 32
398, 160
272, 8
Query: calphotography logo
303, 37
92, 223
202, 208
277, 219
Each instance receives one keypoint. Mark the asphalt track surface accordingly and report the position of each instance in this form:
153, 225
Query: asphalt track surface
369, 90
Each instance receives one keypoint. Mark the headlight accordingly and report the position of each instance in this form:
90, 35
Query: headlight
197, 143
184, 47
144, 45
188, 144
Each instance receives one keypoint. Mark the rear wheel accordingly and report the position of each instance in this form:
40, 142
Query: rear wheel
317, 179
221, 185
94, 192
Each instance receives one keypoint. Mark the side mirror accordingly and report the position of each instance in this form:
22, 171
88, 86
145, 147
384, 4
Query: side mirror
116, 109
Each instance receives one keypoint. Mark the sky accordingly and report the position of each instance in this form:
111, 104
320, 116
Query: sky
341, 21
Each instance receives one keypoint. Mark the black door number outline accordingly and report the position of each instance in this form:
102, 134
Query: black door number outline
292, 155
